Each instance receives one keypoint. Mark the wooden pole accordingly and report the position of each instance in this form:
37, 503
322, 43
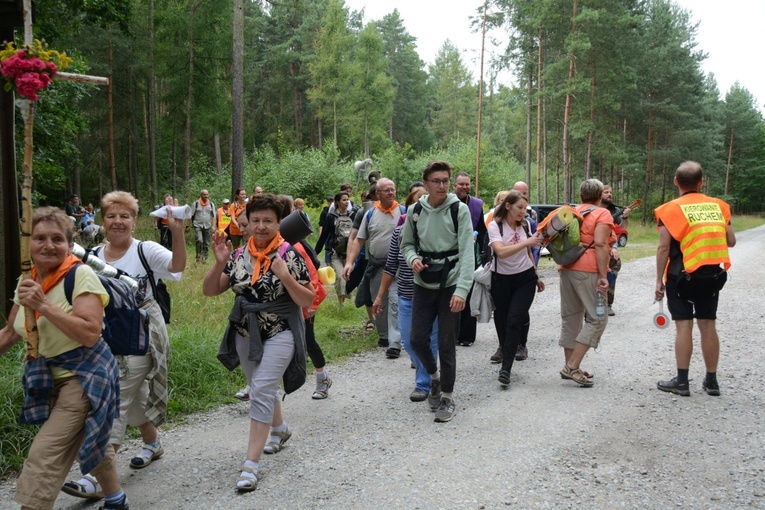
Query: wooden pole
28, 113
480, 100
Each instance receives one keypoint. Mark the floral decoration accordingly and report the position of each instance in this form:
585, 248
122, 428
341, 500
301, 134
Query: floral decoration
30, 69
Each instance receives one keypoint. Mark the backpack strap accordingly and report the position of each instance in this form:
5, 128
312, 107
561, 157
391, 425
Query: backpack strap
69, 283
454, 208
149, 272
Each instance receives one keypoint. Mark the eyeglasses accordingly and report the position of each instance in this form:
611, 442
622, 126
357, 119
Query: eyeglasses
439, 182
389, 191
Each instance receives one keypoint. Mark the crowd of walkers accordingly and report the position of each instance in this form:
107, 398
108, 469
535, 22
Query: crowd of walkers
426, 270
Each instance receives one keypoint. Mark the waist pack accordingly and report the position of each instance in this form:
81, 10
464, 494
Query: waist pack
126, 325
561, 232
703, 283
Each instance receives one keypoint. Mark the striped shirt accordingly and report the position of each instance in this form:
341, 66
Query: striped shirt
396, 266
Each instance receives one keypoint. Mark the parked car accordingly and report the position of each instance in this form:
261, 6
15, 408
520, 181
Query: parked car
543, 210
621, 236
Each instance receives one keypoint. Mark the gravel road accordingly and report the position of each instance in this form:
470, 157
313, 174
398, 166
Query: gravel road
543, 443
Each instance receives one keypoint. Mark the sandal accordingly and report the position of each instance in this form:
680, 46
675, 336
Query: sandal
275, 447
576, 375
322, 389
148, 454
369, 325
80, 490
248, 479
586, 374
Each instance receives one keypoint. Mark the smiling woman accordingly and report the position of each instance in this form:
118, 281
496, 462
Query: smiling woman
71, 388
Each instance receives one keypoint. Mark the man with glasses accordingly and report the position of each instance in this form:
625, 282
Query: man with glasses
375, 232
462, 186
437, 242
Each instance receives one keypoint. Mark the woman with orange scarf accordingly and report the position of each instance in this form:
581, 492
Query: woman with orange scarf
72, 387
266, 331
240, 202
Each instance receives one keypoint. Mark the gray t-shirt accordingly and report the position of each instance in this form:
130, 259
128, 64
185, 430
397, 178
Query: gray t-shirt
378, 231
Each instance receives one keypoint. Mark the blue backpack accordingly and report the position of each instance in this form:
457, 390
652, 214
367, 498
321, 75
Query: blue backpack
126, 325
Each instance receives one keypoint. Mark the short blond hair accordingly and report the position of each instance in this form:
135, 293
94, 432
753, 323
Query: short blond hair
117, 198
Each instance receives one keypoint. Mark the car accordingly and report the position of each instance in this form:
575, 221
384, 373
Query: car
543, 210
621, 236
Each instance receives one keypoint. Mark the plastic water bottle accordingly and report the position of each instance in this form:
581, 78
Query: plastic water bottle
600, 306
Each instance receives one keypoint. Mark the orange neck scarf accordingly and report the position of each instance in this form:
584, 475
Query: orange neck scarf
389, 210
56, 276
204, 201
261, 260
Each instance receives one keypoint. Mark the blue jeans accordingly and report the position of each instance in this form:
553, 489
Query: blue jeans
421, 377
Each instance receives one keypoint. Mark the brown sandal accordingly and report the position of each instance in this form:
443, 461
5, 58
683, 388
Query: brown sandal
576, 375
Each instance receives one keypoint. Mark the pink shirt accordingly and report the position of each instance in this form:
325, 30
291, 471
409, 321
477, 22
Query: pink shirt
517, 262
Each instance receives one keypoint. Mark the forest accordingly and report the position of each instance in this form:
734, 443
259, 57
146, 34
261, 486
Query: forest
288, 94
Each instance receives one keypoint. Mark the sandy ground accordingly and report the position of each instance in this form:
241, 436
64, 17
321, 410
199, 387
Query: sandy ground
543, 443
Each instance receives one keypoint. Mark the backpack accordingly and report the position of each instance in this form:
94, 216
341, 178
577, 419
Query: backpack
126, 325
561, 231
343, 227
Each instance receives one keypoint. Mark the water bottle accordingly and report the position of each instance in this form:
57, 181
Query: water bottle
600, 306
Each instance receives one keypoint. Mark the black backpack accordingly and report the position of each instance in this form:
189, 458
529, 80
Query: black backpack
126, 325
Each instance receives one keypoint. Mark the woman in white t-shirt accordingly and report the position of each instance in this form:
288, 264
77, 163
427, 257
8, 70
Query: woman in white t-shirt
514, 277
143, 379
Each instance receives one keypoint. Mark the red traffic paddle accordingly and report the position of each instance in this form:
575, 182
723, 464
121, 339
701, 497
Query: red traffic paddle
661, 319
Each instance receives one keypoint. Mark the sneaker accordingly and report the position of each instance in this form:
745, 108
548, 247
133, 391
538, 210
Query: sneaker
521, 353
434, 396
611, 312
418, 395
243, 394
497, 356
122, 505
672, 386
446, 410
504, 378
712, 388
382, 343
149, 453
392, 353
465, 343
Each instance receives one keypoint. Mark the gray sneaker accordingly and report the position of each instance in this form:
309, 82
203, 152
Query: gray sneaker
434, 396
446, 410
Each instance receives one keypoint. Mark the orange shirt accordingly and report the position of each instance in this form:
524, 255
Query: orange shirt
599, 216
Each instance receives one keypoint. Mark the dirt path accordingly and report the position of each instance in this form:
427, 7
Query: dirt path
544, 443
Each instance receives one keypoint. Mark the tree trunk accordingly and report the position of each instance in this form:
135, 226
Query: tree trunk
218, 159
334, 117
294, 71
649, 163
189, 98
528, 126
110, 108
539, 121
480, 100
237, 145
567, 121
730, 158
591, 131
152, 109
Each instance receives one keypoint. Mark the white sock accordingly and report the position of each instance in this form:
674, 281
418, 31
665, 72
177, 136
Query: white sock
446, 395
280, 428
321, 376
436, 376
249, 476
89, 487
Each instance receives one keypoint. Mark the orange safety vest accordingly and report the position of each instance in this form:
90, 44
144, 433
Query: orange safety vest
224, 219
700, 224
233, 229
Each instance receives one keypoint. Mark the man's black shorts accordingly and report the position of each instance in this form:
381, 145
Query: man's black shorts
699, 295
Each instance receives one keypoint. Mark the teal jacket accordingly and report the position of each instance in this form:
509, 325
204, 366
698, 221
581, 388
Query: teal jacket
436, 232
